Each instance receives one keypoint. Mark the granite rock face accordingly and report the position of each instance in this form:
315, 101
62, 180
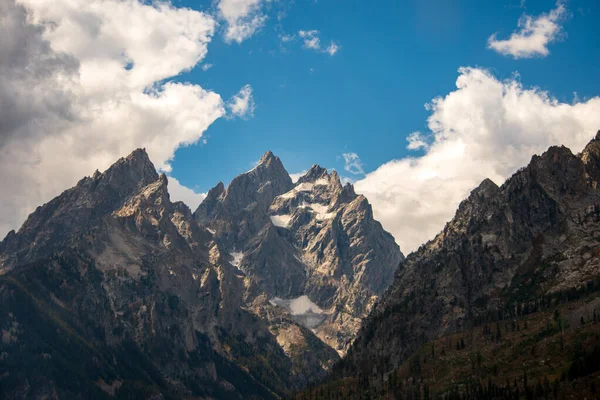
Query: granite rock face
537, 234
111, 290
315, 238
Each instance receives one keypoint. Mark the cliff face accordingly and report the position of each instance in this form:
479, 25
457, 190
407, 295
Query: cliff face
508, 249
312, 247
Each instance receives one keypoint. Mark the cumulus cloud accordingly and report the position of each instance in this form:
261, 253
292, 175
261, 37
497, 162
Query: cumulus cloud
206, 67
416, 141
353, 164
533, 36
242, 104
83, 83
178, 192
332, 48
243, 18
287, 38
312, 41
486, 128
35, 81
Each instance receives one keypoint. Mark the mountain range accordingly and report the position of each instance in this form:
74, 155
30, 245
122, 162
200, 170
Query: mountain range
111, 289
275, 289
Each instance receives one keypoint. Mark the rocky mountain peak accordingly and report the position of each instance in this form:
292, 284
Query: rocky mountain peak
269, 162
487, 188
475, 203
558, 171
335, 180
267, 157
269, 175
312, 241
238, 212
591, 159
135, 169
315, 173
80, 208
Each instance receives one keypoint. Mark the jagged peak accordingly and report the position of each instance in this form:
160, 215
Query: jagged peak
553, 154
592, 145
138, 154
267, 157
315, 172
269, 167
486, 188
269, 163
163, 179
335, 179
138, 158
590, 156
216, 191
348, 190
135, 168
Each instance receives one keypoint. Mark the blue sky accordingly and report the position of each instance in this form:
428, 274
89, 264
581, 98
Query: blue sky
395, 57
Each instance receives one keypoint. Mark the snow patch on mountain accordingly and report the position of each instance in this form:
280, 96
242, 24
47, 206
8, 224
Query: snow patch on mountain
302, 309
320, 211
282, 221
237, 258
303, 187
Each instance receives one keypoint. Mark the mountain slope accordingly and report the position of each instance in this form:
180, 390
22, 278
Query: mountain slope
510, 254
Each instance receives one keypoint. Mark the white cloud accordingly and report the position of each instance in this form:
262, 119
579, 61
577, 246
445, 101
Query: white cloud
178, 192
243, 18
353, 164
312, 41
287, 38
416, 141
332, 48
206, 67
533, 36
242, 104
86, 88
486, 128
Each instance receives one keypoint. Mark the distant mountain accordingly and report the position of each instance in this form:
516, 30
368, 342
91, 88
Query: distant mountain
112, 290
503, 303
